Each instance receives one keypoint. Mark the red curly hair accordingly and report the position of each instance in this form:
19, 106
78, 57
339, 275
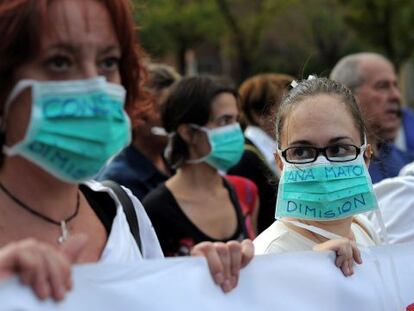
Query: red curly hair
21, 26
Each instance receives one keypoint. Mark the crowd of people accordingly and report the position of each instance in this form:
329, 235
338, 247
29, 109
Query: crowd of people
205, 167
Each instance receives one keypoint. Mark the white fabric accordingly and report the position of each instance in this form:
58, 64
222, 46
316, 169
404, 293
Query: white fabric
400, 140
266, 145
279, 238
407, 170
396, 203
121, 246
296, 281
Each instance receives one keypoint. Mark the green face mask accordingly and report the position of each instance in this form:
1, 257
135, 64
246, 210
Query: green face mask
75, 126
227, 146
325, 190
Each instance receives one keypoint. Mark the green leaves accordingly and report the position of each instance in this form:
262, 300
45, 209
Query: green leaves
292, 36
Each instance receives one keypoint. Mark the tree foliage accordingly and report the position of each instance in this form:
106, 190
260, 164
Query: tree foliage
176, 25
293, 36
386, 25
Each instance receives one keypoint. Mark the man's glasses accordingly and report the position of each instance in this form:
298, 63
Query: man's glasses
334, 153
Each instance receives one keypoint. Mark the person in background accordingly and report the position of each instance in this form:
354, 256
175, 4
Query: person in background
70, 73
141, 166
325, 185
198, 204
405, 137
372, 79
260, 99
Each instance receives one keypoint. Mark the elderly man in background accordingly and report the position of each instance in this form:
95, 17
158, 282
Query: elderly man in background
373, 80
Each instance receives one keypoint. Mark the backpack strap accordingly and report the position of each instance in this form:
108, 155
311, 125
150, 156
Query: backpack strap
128, 208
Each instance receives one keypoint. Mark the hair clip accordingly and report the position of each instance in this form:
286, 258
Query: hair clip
295, 83
160, 131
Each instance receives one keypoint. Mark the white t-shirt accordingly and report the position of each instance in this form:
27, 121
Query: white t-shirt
396, 203
279, 238
121, 246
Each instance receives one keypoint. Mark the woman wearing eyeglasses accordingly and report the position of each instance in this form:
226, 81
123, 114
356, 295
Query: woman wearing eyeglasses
325, 185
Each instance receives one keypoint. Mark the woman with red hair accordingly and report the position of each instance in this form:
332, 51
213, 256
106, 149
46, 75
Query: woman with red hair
70, 76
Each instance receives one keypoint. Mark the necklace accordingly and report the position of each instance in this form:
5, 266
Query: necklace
64, 230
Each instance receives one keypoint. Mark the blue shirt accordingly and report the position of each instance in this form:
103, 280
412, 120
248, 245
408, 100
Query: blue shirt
388, 163
133, 170
408, 127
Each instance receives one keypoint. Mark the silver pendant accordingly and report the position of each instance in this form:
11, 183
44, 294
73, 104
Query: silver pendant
64, 234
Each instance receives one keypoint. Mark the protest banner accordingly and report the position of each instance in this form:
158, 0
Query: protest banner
292, 281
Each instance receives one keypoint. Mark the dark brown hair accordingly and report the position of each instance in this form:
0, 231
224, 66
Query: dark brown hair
190, 102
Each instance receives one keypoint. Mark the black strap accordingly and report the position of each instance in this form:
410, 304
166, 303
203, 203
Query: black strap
235, 200
128, 208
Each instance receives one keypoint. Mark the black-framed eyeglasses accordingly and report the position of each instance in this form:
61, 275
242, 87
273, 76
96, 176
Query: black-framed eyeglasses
333, 153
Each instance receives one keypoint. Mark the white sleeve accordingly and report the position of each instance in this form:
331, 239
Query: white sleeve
407, 170
396, 204
151, 248
368, 227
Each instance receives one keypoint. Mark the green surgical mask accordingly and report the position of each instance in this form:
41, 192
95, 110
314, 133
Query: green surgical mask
227, 146
325, 190
75, 127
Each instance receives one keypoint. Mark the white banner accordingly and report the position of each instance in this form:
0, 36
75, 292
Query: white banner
294, 281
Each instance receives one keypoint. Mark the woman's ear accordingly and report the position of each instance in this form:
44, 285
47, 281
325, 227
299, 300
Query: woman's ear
278, 160
368, 154
185, 132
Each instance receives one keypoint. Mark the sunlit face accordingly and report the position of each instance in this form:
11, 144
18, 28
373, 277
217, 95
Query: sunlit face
224, 111
319, 121
379, 98
80, 43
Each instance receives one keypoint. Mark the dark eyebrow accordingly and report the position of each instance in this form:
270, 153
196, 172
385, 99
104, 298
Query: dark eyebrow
111, 48
337, 139
225, 116
73, 49
308, 143
64, 46
301, 143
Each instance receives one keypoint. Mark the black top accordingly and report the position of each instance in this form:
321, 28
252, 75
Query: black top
102, 204
254, 167
176, 232
135, 171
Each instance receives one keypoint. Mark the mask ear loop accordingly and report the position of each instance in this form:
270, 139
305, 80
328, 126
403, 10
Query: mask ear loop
168, 148
325, 233
202, 159
19, 87
160, 131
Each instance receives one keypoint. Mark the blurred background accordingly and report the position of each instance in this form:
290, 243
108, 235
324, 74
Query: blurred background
239, 38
